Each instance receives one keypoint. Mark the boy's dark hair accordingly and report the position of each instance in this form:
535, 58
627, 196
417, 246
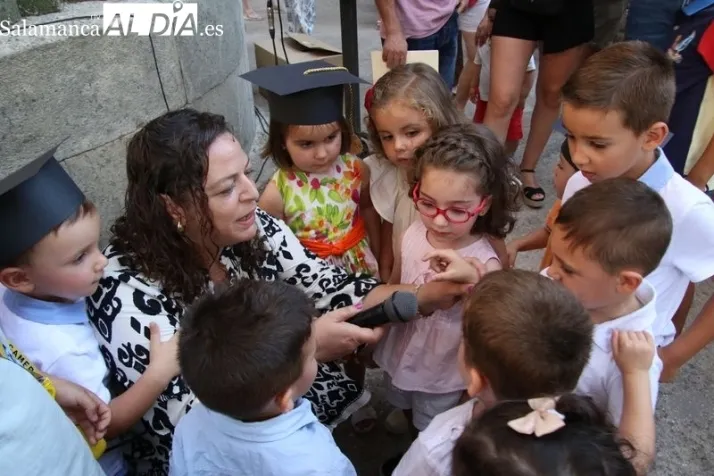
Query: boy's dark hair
474, 150
275, 145
86, 208
241, 346
588, 444
526, 334
632, 77
620, 223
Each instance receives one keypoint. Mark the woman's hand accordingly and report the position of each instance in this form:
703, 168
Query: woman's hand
164, 364
84, 408
483, 31
336, 338
450, 266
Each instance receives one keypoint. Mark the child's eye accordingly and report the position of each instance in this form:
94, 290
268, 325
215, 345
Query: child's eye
598, 145
386, 138
80, 257
412, 133
332, 137
305, 144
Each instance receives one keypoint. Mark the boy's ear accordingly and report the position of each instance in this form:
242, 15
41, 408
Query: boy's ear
655, 135
628, 282
17, 279
285, 401
476, 384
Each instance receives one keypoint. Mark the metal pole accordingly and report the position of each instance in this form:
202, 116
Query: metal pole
350, 55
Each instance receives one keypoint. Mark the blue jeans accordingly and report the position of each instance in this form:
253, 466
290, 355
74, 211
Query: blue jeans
652, 21
446, 41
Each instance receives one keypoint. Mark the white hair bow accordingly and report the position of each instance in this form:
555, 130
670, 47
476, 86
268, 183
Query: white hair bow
543, 420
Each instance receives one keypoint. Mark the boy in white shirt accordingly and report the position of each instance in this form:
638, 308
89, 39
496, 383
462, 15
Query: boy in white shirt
525, 336
615, 108
605, 239
49, 263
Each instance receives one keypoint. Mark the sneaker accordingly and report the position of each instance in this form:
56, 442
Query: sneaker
397, 422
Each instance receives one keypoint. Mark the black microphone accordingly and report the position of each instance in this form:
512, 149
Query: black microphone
399, 307
271, 19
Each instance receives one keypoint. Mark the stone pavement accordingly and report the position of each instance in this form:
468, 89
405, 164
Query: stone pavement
685, 420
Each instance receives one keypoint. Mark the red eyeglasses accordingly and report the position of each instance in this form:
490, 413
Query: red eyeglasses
453, 215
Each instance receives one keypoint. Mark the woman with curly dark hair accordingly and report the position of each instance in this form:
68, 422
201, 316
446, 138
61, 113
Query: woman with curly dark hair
191, 222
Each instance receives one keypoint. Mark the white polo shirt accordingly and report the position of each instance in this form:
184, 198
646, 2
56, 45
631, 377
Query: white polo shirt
60, 341
690, 256
430, 454
601, 380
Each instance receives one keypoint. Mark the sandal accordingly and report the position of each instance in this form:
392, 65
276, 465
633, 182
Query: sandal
364, 420
252, 16
530, 192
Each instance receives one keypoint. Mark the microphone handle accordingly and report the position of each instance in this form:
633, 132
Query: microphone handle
370, 318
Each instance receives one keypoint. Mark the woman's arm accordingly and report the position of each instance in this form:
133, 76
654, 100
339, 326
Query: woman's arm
122, 315
130, 406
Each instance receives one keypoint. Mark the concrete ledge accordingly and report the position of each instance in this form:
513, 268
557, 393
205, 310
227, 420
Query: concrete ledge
100, 90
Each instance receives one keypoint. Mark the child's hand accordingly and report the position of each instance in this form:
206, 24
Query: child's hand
633, 351
512, 249
450, 266
84, 408
164, 363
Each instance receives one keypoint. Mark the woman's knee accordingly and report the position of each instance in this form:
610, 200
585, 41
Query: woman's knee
549, 95
502, 104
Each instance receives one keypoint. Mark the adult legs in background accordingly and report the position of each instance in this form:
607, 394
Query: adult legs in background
554, 71
515, 128
463, 87
509, 59
652, 21
446, 42
249, 13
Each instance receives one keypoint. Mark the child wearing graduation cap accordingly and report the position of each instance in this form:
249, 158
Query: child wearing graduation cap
49, 263
319, 189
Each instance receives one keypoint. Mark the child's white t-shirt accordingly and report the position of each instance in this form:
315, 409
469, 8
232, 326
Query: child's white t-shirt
430, 454
601, 379
483, 58
60, 341
690, 256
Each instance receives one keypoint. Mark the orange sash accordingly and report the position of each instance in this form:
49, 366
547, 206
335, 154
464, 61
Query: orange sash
324, 249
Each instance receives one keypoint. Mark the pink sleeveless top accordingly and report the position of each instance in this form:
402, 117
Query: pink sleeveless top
422, 355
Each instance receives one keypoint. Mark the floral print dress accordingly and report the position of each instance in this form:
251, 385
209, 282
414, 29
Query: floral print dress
322, 209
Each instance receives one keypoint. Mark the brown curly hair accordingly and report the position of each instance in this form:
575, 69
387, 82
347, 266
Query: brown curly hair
474, 150
420, 86
169, 156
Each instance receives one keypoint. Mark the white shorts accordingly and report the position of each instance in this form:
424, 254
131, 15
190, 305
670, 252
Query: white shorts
470, 19
424, 406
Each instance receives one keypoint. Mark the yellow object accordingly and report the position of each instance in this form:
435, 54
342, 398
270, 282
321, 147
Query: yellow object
13, 354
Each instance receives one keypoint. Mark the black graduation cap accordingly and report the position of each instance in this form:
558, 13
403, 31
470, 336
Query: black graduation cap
34, 200
304, 93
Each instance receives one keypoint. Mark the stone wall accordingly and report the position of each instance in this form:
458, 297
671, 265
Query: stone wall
100, 90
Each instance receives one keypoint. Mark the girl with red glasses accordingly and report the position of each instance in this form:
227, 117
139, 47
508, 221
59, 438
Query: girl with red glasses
463, 193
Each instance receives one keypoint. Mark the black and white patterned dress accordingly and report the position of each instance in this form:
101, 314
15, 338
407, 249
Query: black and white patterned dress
126, 303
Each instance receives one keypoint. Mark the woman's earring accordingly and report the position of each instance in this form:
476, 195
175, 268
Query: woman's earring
179, 227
